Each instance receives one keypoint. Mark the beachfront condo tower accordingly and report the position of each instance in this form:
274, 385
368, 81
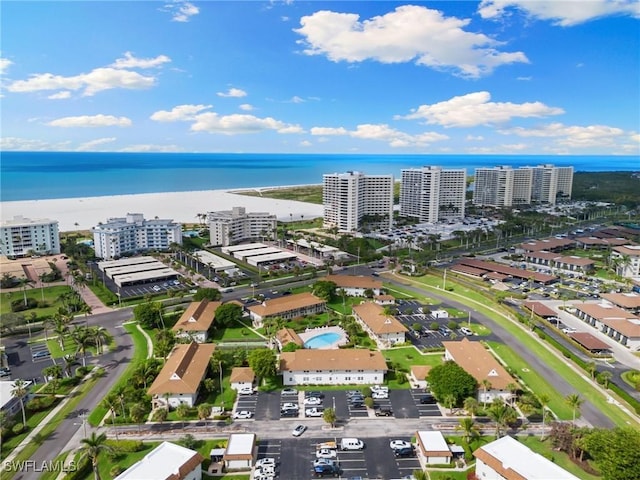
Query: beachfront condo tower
133, 234
431, 194
353, 199
506, 187
22, 236
236, 225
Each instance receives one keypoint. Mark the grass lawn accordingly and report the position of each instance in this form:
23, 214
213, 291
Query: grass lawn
69, 348
559, 458
497, 312
447, 474
407, 356
51, 295
238, 331
71, 405
307, 193
217, 399
139, 354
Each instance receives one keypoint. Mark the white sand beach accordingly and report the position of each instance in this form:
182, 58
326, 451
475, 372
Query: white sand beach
85, 213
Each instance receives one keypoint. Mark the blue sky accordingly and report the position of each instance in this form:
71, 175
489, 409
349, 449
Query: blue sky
490, 76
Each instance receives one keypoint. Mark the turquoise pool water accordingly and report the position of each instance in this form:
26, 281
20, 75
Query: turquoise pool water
322, 340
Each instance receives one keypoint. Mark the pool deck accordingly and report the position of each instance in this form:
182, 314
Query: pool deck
314, 332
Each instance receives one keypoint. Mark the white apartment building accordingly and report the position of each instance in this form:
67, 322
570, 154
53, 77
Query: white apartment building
505, 187
493, 187
22, 236
132, 234
236, 225
350, 197
432, 193
627, 258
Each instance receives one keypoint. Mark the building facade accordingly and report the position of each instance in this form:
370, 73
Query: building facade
236, 225
493, 187
351, 198
22, 236
132, 234
626, 258
432, 193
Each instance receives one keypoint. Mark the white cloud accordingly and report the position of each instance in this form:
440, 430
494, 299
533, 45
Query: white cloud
306, 143
5, 63
233, 92
476, 109
91, 121
181, 11
60, 95
95, 81
524, 79
471, 138
151, 148
129, 61
247, 107
384, 133
297, 99
635, 137
92, 144
179, 113
237, 124
564, 13
571, 136
409, 33
30, 145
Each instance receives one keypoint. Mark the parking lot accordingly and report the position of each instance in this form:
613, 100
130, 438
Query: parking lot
295, 458
40, 353
269, 405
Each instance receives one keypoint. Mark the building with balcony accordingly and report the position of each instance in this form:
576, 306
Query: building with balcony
23, 236
228, 227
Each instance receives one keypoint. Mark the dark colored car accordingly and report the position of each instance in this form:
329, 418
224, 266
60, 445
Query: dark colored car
326, 470
428, 400
5, 372
314, 394
289, 413
404, 452
384, 412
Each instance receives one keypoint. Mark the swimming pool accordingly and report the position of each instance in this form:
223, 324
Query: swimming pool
323, 340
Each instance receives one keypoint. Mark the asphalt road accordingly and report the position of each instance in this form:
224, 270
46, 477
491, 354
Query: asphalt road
114, 362
589, 412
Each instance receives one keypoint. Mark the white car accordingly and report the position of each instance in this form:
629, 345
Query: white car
379, 388
299, 430
288, 392
313, 412
326, 453
397, 444
380, 395
243, 414
246, 391
313, 401
290, 406
269, 461
569, 330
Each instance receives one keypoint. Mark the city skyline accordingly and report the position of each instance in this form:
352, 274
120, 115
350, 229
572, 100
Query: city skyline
477, 77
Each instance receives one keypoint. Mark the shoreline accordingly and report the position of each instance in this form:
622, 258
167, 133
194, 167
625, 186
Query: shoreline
83, 213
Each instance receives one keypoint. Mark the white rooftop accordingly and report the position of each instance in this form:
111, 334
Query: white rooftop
433, 441
6, 386
240, 444
519, 458
218, 263
162, 462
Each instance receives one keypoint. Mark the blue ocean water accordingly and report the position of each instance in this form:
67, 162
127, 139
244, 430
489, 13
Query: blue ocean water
46, 175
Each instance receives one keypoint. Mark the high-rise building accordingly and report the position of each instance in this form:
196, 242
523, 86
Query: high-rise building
22, 236
505, 187
351, 197
231, 226
432, 193
133, 234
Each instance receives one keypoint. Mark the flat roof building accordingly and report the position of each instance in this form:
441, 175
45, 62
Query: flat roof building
23, 236
167, 461
236, 225
431, 193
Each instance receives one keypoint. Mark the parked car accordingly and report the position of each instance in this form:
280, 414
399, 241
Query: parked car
428, 399
243, 415
325, 469
404, 452
290, 406
246, 391
326, 453
380, 395
266, 461
41, 354
288, 413
395, 444
466, 331
312, 401
299, 430
313, 393
313, 412
289, 392
384, 412
5, 372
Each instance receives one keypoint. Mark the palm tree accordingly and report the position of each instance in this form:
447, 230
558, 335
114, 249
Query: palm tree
137, 413
69, 361
19, 391
182, 411
471, 405
468, 428
82, 338
449, 401
204, 412
100, 336
575, 402
91, 448
486, 386
605, 377
544, 400
502, 414
60, 328
513, 389
52, 374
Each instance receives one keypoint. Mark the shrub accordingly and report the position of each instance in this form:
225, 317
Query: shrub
18, 304
39, 404
126, 446
453, 325
369, 402
18, 428
366, 392
82, 371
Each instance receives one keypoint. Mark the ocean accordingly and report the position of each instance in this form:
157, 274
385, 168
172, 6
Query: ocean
49, 175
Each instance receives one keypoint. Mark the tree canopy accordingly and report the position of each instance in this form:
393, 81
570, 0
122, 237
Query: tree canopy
228, 314
450, 379
148, 314
324, 289
263, 362
207, 293
615, 452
